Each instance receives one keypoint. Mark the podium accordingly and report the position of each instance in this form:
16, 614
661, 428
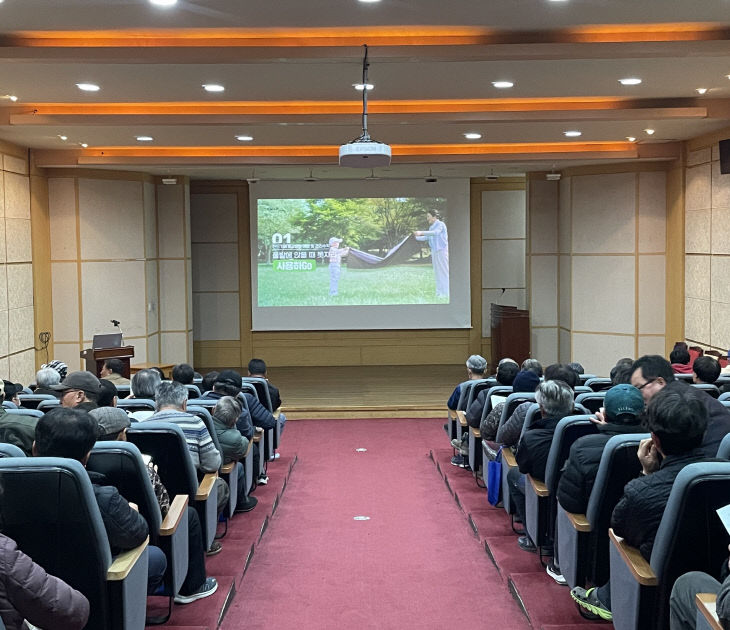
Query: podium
95, 358
510, 333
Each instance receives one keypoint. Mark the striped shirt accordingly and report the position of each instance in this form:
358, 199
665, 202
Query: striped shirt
202, 449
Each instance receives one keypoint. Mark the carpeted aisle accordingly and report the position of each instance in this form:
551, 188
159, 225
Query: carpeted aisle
413, 564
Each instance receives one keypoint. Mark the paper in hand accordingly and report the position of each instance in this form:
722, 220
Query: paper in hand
724, 514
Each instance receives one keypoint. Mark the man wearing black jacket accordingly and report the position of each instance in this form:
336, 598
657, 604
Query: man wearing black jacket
556, 402
623, 406
71, 433
677, 421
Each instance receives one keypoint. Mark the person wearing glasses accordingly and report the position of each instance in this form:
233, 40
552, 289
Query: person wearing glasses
652, 373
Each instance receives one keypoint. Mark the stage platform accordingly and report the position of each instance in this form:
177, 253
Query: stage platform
366, 391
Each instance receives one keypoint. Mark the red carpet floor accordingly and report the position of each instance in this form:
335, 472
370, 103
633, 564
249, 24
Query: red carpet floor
414, 563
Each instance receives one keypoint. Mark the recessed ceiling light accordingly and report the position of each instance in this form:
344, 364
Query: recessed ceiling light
361, 86
213, 87
631, 138
502, 84
84, 145
88, 87
145, 138
368, 1
64, 138
573, 134
649, 131
244, 138
163, 3
630, 81
472, 135
701, 90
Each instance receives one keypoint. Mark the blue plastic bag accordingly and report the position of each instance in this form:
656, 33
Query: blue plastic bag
494, 479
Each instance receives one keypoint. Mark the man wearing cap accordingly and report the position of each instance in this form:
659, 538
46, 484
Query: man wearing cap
15, 428
335, 255
79, 390
476, 365
623, 406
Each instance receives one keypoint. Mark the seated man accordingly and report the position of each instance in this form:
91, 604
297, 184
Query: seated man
706, 369
682, 606
556, 401
45, 379
71, 433
171, 400
113, 424
233, 445
680, 358
144, 385
183, 373
16, 429
677, 422
257, 367
509, 433
621, 372
79, 390
622, 410
524, 382
476, 365
112, 370
29, 593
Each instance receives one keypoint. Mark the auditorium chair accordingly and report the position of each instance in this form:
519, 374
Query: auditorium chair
193, 391
165, 443
122, 465
723, 451
724, 397
130, 405
271, 436
712, 390
726, 403
540, 496
10, 450
49, 509
690, 538
123, 391
465, 398
508, 457
9, 404
687, 378
592, 401
47, 405
228, 471
599, 384
582, 378
582, 539
30, 401
24, 412
581, 389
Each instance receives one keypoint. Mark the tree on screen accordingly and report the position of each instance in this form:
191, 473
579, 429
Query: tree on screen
275, 216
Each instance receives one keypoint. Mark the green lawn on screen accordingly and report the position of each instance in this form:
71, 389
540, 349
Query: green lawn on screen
399, 284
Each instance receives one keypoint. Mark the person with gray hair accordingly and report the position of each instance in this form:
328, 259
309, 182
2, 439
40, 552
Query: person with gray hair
233, 445
171, 404
556, 401
476, 366
533, 365
45, 379
144, 384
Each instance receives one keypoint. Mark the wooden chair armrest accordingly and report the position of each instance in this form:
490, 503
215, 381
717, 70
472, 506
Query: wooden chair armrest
640, 568
475, 432
248, 449
123, 563
538, 486
706, 603
227, 469
276, 413
509, 457
461, 415
579, 522
174, 515
450, 414
206, 486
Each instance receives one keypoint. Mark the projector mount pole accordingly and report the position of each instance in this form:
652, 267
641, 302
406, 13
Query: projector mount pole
365, 137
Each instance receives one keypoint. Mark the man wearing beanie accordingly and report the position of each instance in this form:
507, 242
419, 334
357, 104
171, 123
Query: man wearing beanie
623, 407
476, 366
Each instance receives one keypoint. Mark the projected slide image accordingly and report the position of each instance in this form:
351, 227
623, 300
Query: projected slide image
355, 251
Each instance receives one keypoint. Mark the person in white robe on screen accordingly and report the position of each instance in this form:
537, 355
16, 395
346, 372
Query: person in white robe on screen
438, 242
335, 255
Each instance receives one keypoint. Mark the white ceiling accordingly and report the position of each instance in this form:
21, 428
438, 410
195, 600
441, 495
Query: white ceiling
538, 52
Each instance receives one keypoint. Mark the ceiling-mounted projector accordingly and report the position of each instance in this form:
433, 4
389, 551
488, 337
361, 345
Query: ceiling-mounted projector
364, 152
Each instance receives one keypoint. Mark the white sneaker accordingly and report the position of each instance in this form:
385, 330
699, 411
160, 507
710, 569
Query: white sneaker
553, 573
209, 587
262, 481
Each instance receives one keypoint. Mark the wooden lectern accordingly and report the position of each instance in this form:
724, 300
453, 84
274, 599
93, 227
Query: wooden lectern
95, 358
510, 334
